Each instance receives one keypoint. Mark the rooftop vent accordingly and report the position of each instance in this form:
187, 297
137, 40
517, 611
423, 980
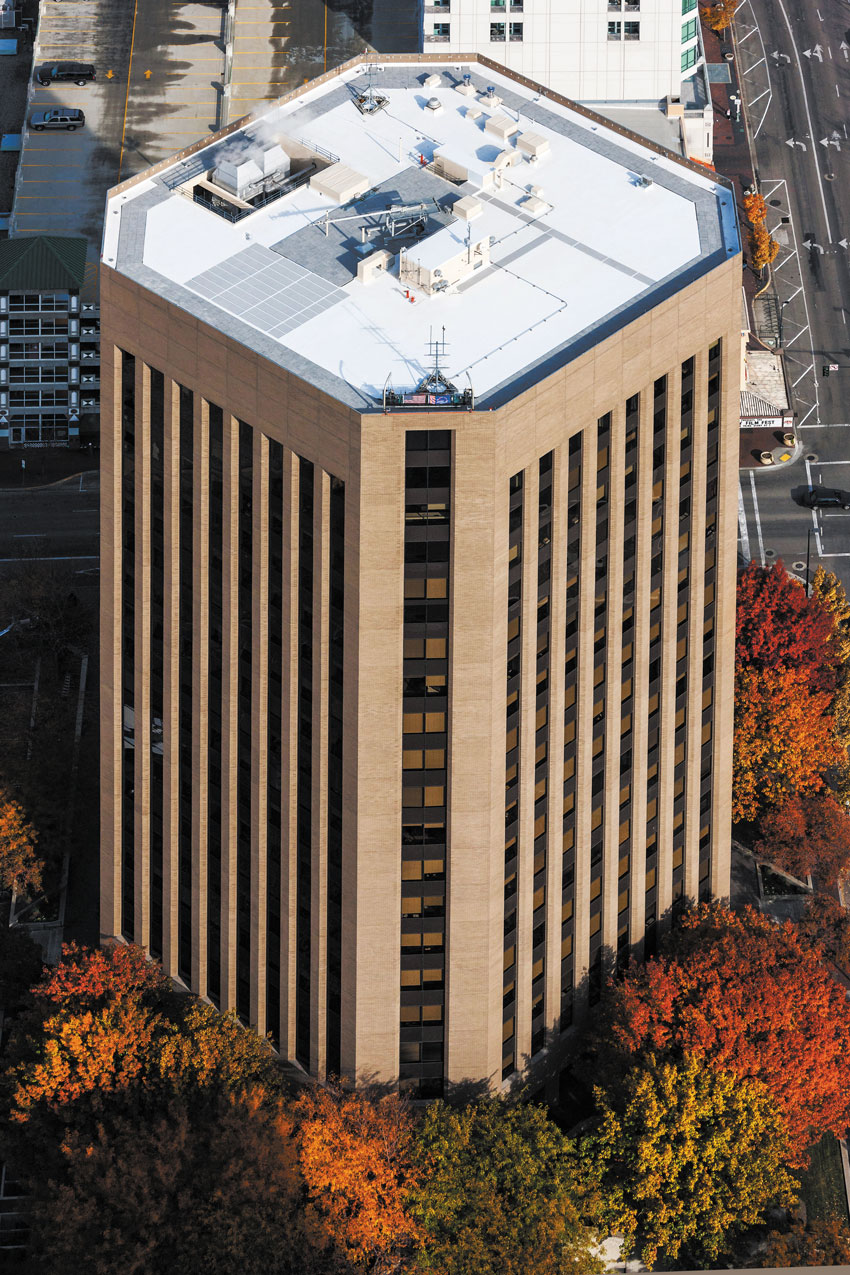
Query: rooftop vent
434, 105
643, 182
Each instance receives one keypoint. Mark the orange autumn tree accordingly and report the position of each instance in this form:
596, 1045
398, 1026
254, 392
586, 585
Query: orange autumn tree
356, 1157
783, 738
825, 925
106, 1034
785, 682
807, 833
718, 15
20, 867
751, 998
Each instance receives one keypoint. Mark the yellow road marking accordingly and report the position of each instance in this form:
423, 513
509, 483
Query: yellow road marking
127, 95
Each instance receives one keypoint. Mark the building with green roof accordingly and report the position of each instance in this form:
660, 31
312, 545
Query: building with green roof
49, 358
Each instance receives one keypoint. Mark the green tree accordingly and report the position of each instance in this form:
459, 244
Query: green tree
685, 1156
500, 1193
205, 1189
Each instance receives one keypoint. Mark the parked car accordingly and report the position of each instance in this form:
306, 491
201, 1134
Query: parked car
59, 117
76, 72
825, 498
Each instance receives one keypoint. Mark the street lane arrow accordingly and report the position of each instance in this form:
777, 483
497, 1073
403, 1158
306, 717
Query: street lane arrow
842, 243
824, 141
782, 57
814, 247
807, 53
818, 52
845, 49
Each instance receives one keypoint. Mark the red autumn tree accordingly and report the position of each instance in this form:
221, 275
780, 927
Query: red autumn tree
90, 978
356, 1157
783, 741
776, 625
825, 926
821, 1242
751, 998
807, 833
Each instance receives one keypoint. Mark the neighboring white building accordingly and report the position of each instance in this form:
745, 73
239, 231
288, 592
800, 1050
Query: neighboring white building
600, 52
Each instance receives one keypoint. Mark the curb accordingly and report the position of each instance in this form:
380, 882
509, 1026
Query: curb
59, 482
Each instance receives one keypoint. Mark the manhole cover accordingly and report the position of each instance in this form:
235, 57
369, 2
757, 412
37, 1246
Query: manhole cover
798, 566
770, 553
811, 457
776, 203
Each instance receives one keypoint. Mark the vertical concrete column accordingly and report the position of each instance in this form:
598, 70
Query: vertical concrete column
111, 598
640, 666
142, 659
478, 626
613, 671
319, 787
724, 624
377, 731
230, 707
724, 612
200, 687
555, 755
170, 675
351, 698
259, 726
696, 608
670, 573
289, 756
584, 716
527, 729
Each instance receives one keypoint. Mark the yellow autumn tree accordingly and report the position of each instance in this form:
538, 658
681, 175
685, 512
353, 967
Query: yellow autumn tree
718, 16
829, 591
685, 1156
763, 247
20, 867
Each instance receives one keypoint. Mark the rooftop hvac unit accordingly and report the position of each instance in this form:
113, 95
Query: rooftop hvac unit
251, 171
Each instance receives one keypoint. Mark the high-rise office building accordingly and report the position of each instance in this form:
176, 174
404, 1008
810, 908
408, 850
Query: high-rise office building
621, 50
418, 529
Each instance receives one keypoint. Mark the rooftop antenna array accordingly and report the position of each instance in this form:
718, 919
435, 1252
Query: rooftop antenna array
435, 389
370, 101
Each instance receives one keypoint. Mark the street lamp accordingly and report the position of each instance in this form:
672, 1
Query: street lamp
781, 317
736, 102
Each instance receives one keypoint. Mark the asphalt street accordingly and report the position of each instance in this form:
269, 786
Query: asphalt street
59, 524
794, 60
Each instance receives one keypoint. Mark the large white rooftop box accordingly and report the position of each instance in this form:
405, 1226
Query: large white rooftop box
533, 145
339, 183
502, 127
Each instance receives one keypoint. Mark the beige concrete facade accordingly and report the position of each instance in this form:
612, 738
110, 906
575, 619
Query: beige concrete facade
367, 452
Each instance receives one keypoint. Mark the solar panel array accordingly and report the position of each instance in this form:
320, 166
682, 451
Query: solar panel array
266, 290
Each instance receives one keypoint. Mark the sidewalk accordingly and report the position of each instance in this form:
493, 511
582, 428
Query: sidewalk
44, 465
732, 156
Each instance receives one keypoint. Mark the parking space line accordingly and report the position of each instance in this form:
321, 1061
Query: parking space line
743, 532
758, 520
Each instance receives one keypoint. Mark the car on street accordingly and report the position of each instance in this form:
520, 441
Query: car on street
75, 72
59, 117
825, 498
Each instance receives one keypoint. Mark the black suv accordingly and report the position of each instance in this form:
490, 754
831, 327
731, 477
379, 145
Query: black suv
77, 72
825, 498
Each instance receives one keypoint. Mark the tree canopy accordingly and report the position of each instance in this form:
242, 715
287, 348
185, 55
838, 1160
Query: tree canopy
500, 1193
807, 833
20, 866
686, 1156
203, 1190
751, 998
822, 1242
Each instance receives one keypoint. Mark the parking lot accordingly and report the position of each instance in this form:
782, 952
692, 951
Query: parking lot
159, 81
